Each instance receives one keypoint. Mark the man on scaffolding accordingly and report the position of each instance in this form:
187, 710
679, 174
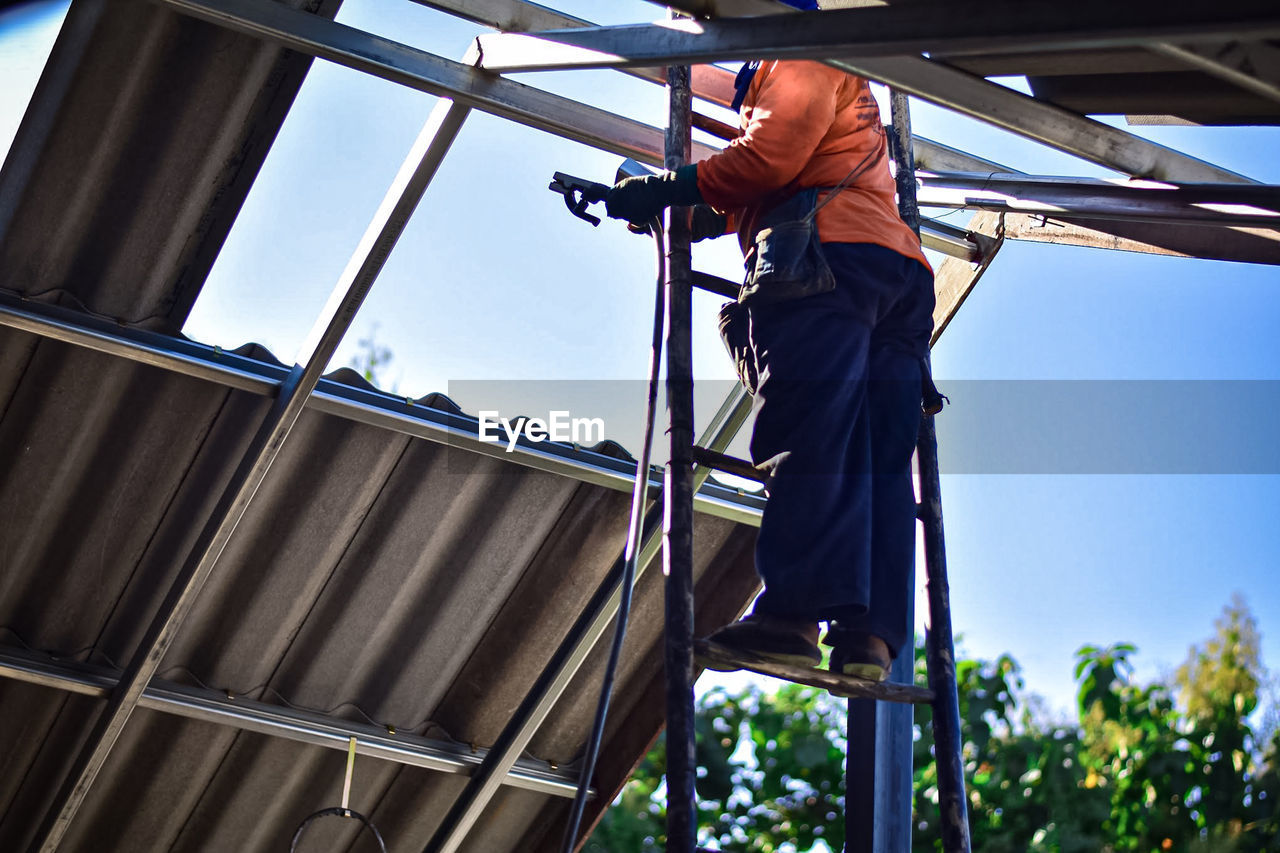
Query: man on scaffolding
831, 339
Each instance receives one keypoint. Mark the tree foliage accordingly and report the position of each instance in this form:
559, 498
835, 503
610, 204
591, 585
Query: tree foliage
1143, 768
372, 358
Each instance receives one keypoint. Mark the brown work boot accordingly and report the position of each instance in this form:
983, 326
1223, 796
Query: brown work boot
793, 642
859, 655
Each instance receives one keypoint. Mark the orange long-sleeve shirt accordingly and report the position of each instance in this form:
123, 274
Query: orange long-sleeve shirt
805, 124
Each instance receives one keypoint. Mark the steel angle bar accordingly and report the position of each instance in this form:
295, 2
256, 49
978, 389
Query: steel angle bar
954, 242
1247, 245
1255, 205
521, 16
1001, 107
345, 300
263, 718
1250, 65
716, 85
955, 278
527, 105
171, 354
577, 644
335, 398
976, 26
436, 75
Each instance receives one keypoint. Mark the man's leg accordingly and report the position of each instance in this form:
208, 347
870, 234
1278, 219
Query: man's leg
894, 396
814, 546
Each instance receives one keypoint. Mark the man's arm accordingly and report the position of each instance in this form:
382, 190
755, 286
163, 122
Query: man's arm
792, 111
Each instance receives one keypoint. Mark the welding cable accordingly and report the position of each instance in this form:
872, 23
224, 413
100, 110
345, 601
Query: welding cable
337, 812
631, 551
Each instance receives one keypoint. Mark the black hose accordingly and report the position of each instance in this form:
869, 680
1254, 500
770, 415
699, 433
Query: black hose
337, 812
631, 551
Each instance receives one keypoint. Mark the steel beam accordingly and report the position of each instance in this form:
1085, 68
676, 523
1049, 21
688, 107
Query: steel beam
962, 243
573, 650
1001, 107
522, 16
262, 718
984, 26
348, 294
524, 104
1255, 205
1251, 65
956, 279
334, 398
1245, 245
436, 75
709, 82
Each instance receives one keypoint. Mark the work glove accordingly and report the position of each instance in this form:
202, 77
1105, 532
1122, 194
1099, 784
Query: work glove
637, 200
706, 222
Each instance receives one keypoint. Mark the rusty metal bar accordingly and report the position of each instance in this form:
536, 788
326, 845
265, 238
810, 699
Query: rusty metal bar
939, 645
682, 813
729, 464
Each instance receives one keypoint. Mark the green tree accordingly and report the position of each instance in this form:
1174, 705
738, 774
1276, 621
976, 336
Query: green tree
771, 776
1143, 768
372, 358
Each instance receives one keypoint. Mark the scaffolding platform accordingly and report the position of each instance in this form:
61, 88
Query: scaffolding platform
710, 653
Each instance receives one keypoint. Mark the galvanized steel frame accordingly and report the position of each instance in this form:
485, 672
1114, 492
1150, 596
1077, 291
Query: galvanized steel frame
334, 398
1000, 107
316, 729
472, 88
944, 27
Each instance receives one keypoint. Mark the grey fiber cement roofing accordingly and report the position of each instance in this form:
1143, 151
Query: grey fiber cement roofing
140, 143
376, 577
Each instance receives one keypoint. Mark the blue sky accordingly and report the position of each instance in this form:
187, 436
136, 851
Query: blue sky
493, 280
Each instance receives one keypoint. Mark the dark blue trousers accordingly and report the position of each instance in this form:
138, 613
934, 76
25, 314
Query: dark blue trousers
839, 391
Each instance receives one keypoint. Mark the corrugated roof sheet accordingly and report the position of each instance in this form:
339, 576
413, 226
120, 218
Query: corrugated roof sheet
140, 143
376, 577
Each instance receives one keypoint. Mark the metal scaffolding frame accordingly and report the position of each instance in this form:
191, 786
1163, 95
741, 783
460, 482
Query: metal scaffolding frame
878, 39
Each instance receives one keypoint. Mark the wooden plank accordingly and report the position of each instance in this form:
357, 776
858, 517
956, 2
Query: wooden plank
956, 278
1248, 245
709, 653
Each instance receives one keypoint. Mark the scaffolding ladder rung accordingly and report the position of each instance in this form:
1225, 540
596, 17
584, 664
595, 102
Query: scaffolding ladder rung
729, 464
708, 652
715, 284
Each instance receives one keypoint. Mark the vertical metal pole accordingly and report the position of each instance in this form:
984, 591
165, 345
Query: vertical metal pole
939, 644
860, 777
682, 824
